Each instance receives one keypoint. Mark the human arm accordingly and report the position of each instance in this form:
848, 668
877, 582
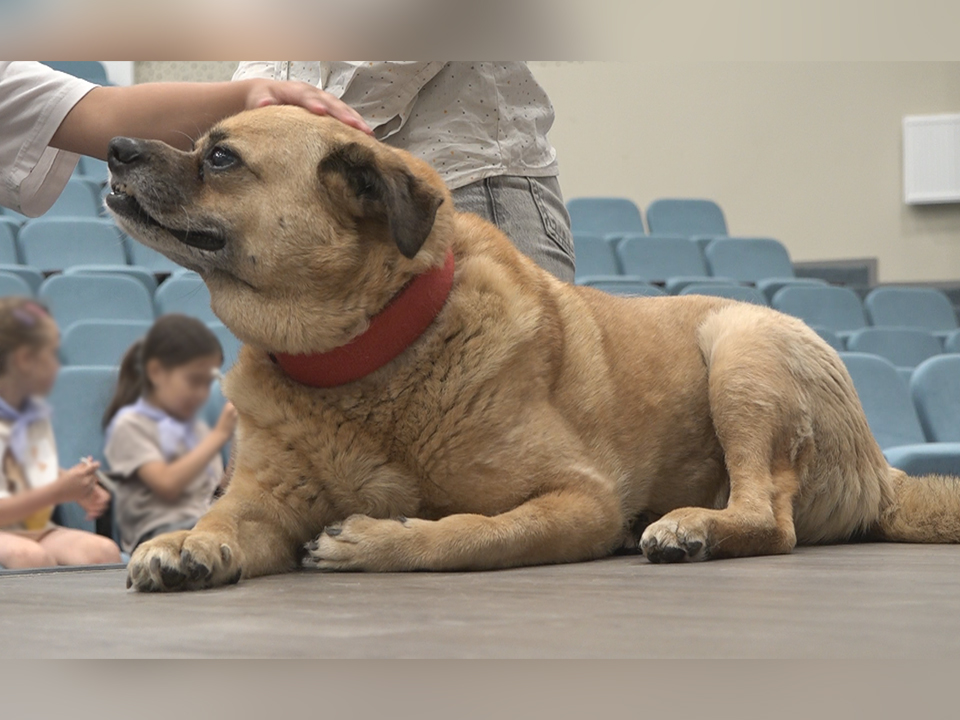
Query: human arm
169, 480
177, 113
47, 117
73, 484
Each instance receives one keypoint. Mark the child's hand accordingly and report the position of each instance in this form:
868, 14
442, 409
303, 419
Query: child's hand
78, 482
291, 92
95, 502
227, 422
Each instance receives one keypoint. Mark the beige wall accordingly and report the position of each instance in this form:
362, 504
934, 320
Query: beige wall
809, 153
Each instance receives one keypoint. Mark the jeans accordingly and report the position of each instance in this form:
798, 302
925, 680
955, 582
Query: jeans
529, 211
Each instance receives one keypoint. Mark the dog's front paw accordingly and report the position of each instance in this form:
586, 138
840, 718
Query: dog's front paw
675, 538
366, 544
183, 560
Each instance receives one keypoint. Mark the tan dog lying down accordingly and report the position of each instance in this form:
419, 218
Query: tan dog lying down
509, 420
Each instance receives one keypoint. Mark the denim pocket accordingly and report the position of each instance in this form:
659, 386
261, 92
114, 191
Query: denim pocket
555, 229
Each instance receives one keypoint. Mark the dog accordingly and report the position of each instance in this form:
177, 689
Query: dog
415, 394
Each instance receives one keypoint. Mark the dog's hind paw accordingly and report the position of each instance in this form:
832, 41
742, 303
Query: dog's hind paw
184, 560
363, 543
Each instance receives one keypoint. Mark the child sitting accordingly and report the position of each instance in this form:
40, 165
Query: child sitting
31, 481
169, 459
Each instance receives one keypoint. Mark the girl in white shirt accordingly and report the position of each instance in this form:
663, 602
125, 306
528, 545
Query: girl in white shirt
31, 481
168, 459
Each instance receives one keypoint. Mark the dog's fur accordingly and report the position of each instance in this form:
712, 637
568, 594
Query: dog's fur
533, 422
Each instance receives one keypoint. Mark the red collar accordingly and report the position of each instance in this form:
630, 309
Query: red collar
391, 331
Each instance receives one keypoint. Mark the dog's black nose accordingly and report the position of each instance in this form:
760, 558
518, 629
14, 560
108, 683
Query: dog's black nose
123, 151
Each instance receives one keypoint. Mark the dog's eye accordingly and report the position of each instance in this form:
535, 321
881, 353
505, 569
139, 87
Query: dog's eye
220, 158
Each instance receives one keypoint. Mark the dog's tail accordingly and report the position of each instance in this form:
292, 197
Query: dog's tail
922, 510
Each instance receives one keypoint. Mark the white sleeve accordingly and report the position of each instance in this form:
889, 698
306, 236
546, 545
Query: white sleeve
34, 100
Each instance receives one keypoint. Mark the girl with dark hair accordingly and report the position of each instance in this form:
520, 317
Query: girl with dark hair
31, 481
168, 458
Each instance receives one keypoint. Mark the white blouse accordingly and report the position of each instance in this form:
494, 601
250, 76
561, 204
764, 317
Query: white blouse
34, 100
40, 467
469, 120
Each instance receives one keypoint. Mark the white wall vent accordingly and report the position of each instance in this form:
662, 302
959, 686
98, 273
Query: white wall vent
931, 159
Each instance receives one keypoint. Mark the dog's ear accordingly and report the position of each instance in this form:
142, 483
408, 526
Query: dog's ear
387, 192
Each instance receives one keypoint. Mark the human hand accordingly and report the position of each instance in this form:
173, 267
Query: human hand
291, 92
227, 422
95, 502
77, 482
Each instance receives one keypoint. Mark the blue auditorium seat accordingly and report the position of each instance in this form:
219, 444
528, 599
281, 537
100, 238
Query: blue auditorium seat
14, 285
594, 255
762, 261
100, 342
79, 198
726, 290
904, 347
935, 389
228, 341
622, 285
832, 339
603, 215
659, 257
30, 275
93, 169
893, 418
834, 308
95, 297
80, 397
685, 216
911, 307
143, 256
8, 241
185, 293
141, 274
52, 244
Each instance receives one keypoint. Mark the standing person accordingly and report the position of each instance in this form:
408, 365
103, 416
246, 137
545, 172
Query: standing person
482, 125
49, 118
31, 481
168, 458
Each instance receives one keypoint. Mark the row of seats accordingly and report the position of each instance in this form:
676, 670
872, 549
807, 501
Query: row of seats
103, 342
81, 197
79, 399
905, 347
841, 311
917, 424
835, 308
668, 216
95, 295
675, 261
53, 244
